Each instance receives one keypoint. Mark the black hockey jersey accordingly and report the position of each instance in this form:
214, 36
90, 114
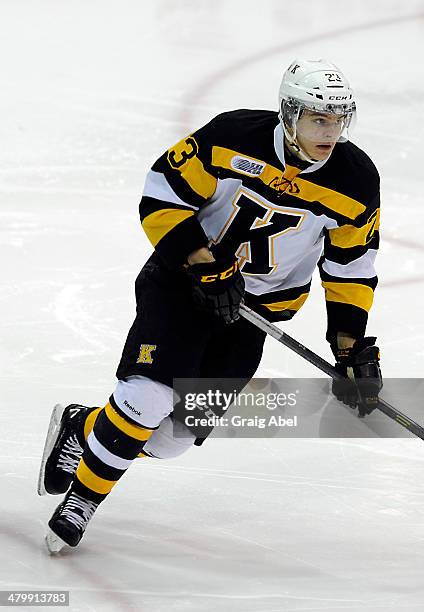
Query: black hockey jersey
228, 186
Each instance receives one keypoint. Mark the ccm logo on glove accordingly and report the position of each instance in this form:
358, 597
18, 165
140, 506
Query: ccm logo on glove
218, 288
210, 278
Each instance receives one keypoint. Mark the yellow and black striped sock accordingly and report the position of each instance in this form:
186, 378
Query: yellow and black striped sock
89, 424
114, 442
90, 420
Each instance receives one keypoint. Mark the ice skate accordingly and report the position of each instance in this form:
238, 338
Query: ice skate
68, 522
54, 543
63, 449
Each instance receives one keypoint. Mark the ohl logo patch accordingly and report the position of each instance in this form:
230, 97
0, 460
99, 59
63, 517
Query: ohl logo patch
146, 351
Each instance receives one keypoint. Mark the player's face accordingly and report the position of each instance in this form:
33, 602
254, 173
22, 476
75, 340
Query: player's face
317, 133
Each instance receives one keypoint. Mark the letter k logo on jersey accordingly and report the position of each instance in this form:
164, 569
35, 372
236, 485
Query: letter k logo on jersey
145, 355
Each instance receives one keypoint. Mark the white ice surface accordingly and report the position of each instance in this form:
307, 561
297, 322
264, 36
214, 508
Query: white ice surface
91, 93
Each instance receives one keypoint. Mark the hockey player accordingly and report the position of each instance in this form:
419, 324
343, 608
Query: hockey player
242, 209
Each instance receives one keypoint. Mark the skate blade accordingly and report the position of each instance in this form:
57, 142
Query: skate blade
52, 435
54, 543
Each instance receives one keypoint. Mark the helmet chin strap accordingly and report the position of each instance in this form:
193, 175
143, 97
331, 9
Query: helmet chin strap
300, 153
295, 149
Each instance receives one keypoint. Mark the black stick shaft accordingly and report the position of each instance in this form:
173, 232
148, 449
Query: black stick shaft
324, 366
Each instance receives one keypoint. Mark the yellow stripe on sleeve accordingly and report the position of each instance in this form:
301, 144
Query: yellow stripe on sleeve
159, 223
134, 431
349, 236
349, 293
183, 158
89, 479
194, 173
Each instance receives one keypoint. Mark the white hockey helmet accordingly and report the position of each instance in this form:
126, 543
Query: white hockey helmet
315, 85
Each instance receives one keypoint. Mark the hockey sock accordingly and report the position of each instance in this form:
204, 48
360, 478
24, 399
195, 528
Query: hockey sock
112, 445
90, 420
89, 424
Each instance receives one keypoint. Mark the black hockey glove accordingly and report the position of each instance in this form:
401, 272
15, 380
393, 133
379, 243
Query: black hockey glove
218, 288
360, 366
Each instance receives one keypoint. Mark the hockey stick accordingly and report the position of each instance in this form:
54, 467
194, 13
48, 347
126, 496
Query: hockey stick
324, 366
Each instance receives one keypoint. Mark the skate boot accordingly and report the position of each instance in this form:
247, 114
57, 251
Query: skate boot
63, 448
69, 521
